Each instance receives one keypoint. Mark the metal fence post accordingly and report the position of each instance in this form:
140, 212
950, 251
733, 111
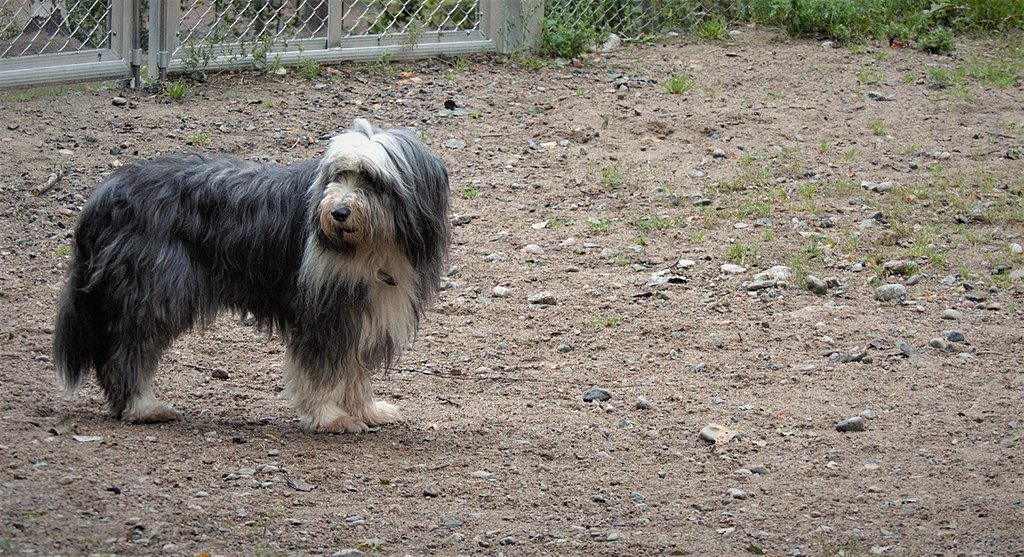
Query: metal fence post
163, 34
513, 25
335, 23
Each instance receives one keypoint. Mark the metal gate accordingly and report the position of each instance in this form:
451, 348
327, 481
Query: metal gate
51, 41
54, 41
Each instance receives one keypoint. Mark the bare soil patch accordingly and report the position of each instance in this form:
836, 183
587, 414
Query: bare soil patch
499, 454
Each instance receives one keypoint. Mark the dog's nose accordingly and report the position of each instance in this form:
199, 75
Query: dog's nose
341, 214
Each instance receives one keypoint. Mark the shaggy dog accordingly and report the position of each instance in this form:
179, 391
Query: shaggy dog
341, 256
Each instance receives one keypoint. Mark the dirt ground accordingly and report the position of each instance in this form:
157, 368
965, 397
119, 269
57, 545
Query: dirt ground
590, 184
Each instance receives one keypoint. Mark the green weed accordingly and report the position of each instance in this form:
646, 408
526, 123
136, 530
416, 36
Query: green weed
679, 84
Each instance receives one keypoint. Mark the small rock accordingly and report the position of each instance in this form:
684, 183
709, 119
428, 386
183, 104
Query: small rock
500, 292
868, 414
816, 285
939, 343
431, 491
879, 96
907, 350
901, 267
855, 423
718, 153
780, 273
119, 101
955, 336
685, 263
733, 269
613, 42
951, 314
762, 284
737, 493
481, 474
533, 249
347, 552
543, 298
878, 187
597, 394
1016, 249
642, 403
454, 144
891, 292
701, 201
717, 434
759, 469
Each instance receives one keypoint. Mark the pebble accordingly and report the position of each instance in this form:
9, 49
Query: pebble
939, 343
955, 336
501, 292
685, 263
891, 292
701, 201
951, 314
543, 298
202, 494
877, 187
733, 269
718, 153
431, 491
1016, 249
712, 433
759, 469
816, 285
481, 474
868, 414
533, 249
879, 96
737, 493
762, 284
119, 101
907, 350
642, 403
598, 394
855, 423
454, 144
778, 272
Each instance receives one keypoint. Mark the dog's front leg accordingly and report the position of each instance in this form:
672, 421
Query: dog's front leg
334, 398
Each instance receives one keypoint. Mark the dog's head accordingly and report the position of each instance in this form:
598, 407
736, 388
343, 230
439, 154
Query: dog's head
382, 190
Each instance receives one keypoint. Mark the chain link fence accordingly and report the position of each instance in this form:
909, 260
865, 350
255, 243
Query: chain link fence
50, 41
634, 19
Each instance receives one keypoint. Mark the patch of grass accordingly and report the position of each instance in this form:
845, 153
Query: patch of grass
698, 236
470, 191
63, 250
1000, 74
743, 254
309, 69
581, 92
849, 156
612, 177
712, 28
773, 96
562, 39
654, 222
177, 90
937, 41
599, 224
476, 115
877, 127
870, 76
824, 147
383, 67
610, 321
198, 138
679, 84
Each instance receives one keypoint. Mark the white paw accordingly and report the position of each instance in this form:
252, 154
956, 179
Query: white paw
380, 413
344, 424
151, 411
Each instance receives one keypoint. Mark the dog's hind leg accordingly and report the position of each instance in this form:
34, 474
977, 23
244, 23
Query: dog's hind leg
127, 380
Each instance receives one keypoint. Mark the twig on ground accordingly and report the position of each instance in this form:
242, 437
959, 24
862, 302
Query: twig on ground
51, 181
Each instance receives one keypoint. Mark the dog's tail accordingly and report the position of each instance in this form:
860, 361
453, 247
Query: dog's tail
78, 336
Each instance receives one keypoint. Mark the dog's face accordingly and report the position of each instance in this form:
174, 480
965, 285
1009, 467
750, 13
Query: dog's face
362, 191
346, 211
